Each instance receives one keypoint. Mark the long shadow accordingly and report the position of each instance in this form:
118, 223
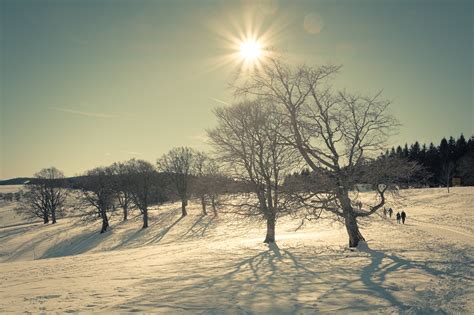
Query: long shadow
132, 236
369, 272
374, 275
285, 275
45, 233
14, 232
76, 245
265, 276
158, 237
89, 239
199, 227
21, 224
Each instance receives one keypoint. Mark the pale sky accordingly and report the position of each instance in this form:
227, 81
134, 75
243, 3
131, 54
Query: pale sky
88, 83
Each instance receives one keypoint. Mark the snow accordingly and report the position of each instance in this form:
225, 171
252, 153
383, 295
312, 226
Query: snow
202, 264
10, 188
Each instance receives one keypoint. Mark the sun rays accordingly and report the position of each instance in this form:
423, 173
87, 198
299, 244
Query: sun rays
247, 41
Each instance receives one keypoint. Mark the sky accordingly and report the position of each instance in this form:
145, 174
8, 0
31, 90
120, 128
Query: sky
89, 83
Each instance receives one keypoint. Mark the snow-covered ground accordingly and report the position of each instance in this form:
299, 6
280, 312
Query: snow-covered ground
202, 264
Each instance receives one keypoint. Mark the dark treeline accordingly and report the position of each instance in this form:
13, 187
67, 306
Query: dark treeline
451, 158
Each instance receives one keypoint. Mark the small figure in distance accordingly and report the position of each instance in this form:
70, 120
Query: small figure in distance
398, 217
384, 211
390, 211
403, 216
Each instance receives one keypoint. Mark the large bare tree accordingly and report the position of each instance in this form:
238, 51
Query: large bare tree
178, 164
247, 139
45, 195
334, 131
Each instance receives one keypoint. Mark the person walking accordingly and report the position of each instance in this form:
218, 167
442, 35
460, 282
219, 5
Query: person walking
403, 216
384, 211
390, 211
398, 217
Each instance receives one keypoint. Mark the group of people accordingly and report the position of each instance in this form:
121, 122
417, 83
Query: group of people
401, 217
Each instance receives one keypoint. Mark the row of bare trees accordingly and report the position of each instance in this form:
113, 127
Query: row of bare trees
134, 184
288, 118
131, 185
138, 184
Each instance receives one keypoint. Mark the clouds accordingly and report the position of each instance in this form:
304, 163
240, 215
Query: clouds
82, 113
219, 101
132, 153
121, 115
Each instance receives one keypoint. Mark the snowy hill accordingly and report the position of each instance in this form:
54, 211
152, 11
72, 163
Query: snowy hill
203, 264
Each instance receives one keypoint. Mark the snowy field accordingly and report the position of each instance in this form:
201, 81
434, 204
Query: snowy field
202, 264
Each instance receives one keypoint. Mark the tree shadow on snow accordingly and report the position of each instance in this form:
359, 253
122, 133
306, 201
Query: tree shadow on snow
135, 236
76, 245
131, 235
382, 265
263, 282
200, 227
303, 280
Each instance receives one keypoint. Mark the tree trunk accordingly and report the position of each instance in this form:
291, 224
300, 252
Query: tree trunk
105, 222
45, 218
183, 208
203, 203
125, 213
213, 203
145, 219
270, 237
53, 216
353, 230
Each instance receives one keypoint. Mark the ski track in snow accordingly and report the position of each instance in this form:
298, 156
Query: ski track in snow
447, 231
206, 265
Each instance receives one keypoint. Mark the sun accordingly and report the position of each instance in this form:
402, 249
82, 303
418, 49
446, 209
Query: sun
250, 50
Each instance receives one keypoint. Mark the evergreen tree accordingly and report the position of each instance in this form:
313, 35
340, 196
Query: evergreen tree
405, 152
461, 147
432, 162
399, 152
392, 152
452, 149
422, 155
444, 151
414, 153
436, 159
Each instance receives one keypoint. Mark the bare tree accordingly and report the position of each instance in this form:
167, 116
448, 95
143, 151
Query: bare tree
335, 132
208, 181
97, 191
144, 186
447, 172
122, 176
45, 195
200, 183
178, 164
248, 141
216, 183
